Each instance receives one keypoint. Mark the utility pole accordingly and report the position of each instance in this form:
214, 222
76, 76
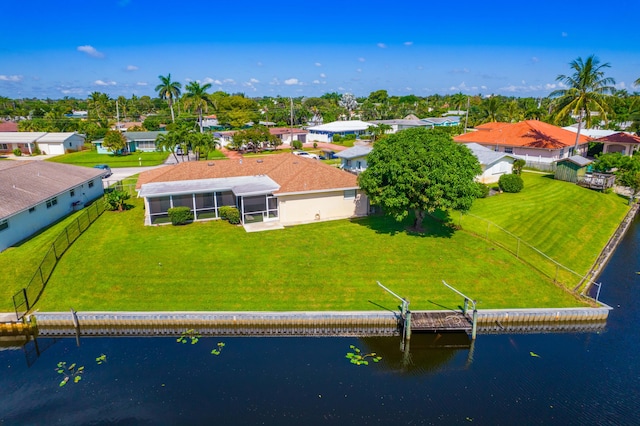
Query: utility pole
117, 116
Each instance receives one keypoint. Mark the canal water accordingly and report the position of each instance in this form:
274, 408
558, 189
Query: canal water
547, 379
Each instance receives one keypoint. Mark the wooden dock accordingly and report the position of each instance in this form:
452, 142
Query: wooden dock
439, 321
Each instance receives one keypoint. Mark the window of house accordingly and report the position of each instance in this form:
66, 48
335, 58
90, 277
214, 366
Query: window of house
146, 144
52, 202
508, 150
72, 193
349, 194
4, 146
32, 209
90, 184
4, 224
348, 163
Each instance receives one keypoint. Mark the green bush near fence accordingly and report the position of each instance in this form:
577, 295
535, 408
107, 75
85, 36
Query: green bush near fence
230, 214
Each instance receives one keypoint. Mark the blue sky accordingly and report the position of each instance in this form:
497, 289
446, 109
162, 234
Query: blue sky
303, 48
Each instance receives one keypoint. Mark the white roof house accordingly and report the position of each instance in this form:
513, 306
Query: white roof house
325, 132
47, 142
493, 163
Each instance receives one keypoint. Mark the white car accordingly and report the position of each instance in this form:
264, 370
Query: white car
306, 154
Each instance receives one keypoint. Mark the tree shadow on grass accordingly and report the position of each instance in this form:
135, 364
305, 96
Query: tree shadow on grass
437, 226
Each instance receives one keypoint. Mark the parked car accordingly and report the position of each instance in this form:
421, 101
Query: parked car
106, 170
328, 155
306, 154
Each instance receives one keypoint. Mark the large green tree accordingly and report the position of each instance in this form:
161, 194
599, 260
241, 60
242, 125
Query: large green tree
168, 90
196, 97
588, 91
114, 141
421, 170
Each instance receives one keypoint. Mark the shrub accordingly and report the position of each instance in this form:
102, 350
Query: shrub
296, 144
315, 144
37, 151
337, 138
511, 183
483, 190
115, 200
230, 213
180, 215
518, 165
349, 137
17, 152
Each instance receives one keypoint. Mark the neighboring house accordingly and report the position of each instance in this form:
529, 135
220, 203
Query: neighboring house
78, 114
622, 142
442, 121
136, 141
572, 169
354, 159
532, 140
281, 188
401, 124
325, 132
494, 164
48, 143
35, 194
288, 135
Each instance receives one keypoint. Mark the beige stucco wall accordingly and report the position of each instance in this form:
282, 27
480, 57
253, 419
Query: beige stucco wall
307, 208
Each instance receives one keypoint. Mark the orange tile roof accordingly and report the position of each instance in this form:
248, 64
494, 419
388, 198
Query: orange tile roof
291, 172
527, 134
621, 137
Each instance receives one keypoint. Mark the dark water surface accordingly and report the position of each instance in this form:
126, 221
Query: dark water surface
578, 379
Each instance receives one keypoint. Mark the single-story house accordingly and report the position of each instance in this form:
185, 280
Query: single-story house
281, 188
622, 142
325, 132
572, 169
532, 140
35, 194
401, 124
494, 164
136, 141
442, 121
48, 142
288, 135
354, 159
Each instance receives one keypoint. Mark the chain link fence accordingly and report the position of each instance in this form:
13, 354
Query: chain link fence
26, 298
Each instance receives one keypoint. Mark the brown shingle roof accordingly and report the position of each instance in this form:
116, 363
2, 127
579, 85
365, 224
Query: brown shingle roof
291, 172
8, 126
621, 137
528, 134
24, 184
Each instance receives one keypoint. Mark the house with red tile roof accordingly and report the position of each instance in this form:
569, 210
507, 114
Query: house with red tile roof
531, 140
282, 188
622, 142
8, 126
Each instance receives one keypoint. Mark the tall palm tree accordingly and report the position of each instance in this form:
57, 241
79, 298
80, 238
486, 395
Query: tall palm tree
168, 90
197, 97
492, 109
588, 92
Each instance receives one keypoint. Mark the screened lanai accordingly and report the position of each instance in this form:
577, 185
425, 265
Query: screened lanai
252, 195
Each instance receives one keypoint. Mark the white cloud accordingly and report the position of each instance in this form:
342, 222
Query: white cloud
208, 80
229, 81
323, 75
564, 34
361, 59
254, 81
132, 68
91, 51
460, 71
142, 83
259, 63
381, 45
72, 91
408, 43
318, 64
359, 70
12, 78
104, 83
291, 81
275, 82
217, 82
316, 81
535, 60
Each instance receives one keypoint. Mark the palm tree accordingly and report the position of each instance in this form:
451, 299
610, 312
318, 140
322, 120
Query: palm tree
587, 92
168, 90
492, 109
197, 97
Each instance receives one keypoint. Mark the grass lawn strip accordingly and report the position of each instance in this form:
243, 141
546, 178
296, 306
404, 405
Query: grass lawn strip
119, 264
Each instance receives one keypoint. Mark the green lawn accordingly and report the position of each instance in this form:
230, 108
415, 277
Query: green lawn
91, 158
119, 264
